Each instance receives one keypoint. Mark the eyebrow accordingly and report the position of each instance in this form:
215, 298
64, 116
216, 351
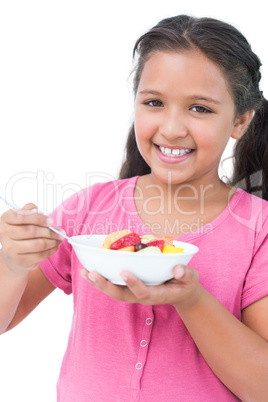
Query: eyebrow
150, 92
205, 98
194, 97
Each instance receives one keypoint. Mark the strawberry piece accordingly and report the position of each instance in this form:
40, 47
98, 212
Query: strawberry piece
130, 239
156, 243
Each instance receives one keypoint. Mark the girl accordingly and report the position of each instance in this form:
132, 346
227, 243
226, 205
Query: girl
203, 335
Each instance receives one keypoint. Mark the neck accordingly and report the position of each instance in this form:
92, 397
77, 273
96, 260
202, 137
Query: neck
187, 197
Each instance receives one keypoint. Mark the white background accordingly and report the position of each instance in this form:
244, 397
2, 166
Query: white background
65, 109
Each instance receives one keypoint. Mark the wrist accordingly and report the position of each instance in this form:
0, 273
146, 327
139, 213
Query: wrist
13, 270
191, 301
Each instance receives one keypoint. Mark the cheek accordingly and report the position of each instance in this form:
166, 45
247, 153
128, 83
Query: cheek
144, 133
143, 143
144, 127
212, 137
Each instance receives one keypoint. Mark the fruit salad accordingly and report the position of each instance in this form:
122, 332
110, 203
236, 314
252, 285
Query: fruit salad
125, 240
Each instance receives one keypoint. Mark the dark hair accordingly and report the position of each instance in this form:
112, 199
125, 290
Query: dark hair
228, 48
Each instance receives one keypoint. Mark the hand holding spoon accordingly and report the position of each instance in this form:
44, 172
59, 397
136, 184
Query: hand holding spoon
50, 227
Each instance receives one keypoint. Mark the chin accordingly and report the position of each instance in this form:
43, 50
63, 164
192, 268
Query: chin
169, 178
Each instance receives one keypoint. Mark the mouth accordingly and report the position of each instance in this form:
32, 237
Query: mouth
174, 152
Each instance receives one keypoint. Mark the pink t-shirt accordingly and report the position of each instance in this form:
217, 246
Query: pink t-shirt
120, 352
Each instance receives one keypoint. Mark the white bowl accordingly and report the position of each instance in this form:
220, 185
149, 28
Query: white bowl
152, 269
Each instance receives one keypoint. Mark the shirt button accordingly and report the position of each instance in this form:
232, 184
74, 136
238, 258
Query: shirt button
143, 343
138, 366
148, 321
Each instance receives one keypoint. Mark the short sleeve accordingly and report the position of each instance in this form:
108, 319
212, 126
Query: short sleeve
58, 267
256, 281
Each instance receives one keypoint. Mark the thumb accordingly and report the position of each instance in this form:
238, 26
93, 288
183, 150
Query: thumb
28, 209
179, 271
31, 206
185, 274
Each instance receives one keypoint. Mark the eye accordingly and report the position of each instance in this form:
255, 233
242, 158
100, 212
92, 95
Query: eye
200, 109
154, 103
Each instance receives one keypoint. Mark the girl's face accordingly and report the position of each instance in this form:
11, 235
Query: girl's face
184, 117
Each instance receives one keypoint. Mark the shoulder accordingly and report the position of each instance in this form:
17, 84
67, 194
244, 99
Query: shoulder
98, 200
249, 210
251, 199
95, 197
99, 191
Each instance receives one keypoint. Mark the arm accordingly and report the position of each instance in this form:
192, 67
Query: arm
236, 351
26, 241
37, 289
12, 287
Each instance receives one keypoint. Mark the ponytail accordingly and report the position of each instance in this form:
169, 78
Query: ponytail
251, 155
134, 164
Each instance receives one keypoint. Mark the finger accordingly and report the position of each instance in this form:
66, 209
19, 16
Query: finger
117, 292
32, 246
31, 206
36, 246
26, 217
185, 274
147, 295
179, 272
29, 214
84, 273
136, 286
26, 232
34, 259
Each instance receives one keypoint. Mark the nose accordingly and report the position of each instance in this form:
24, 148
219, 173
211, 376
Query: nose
173, 125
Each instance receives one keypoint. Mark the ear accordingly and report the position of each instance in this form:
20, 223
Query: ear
241, 123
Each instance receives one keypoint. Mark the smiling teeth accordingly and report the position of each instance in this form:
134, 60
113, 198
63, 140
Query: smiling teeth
174, 152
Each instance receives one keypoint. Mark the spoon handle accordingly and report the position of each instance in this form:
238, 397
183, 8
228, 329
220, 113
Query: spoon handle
50, 227
59, 232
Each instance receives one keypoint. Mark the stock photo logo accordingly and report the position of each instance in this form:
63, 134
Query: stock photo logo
48, 194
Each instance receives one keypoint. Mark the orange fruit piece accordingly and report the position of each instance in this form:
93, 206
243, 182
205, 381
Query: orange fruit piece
128, 248
172, 249
167, 239
112, 237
